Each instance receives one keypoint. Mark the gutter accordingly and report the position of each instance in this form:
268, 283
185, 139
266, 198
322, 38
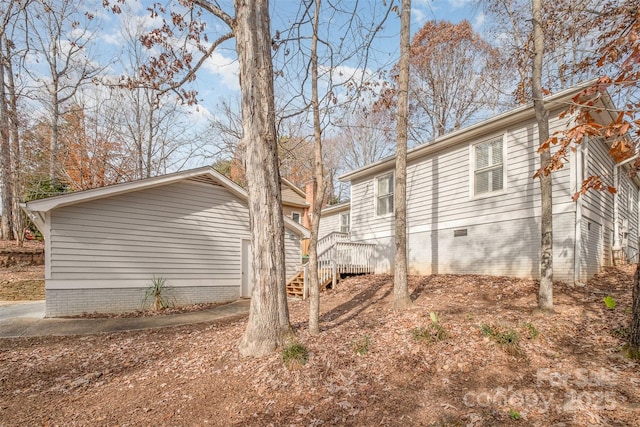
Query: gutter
484, 127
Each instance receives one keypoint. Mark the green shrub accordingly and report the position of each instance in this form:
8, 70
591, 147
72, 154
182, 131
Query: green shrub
361, 345
295, 353
514, 415
157, 293
507, 338
609, 302
433, 332
533, 332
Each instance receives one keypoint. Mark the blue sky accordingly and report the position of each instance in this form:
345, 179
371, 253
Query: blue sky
218, 80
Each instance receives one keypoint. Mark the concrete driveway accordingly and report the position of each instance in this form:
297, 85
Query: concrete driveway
14, 309
26, 319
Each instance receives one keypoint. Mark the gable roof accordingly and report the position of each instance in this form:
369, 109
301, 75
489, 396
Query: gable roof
338, 207
207, 174
292, 195
504, 120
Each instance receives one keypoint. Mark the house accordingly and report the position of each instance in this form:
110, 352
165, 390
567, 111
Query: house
103, 247
473, 206
294, 203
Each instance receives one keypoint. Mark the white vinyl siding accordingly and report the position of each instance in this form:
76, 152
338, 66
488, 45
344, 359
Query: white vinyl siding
329, 223
292, 211
488, 166
293, 254
183, 231
592, 248
599, 204
384, 194
187, 233
438, 203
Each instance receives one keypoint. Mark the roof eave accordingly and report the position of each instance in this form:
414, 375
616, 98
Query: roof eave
503, 120
48, 204
344, 206
294, 187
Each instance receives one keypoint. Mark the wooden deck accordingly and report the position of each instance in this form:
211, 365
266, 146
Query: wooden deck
337, 257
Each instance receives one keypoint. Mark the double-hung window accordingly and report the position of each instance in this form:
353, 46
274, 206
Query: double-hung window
488, 167
344, 223
384, 194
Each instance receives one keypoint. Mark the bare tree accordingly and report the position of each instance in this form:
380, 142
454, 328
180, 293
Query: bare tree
62, 37
319, 183
268, 324
569, 27
448, 91
545, 290
6, 170
364, 137
401, 298
10, 153
153, 124
268, 316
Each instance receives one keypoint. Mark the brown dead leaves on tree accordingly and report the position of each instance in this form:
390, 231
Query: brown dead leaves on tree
620, 49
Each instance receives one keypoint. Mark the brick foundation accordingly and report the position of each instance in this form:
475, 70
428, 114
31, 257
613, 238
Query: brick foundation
69, 302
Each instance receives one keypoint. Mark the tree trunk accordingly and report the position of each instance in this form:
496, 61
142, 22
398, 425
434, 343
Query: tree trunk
319, 186
6, 175
268, 314
545, 291
634, 329
18, 223
401, 298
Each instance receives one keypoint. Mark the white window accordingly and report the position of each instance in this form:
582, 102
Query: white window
295, 216
488, 167
345, 224
384, 195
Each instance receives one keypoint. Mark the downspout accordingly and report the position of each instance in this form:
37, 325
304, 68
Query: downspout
582, 153
616, 214
617, 242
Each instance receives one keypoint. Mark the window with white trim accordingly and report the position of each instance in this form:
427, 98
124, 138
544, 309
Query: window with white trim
345, 223
384, 194
488, 167
295, 216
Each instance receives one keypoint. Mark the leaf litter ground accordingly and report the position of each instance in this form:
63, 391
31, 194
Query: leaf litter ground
365, 368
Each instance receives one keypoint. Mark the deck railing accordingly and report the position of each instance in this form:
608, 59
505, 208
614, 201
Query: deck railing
342, 257
330, 239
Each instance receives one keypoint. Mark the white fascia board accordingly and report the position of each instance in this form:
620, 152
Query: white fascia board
296, 228
344, 206
50, 203
500, 121
294, 187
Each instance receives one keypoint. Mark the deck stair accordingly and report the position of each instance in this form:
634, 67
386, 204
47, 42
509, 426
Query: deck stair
295, 285
337, 257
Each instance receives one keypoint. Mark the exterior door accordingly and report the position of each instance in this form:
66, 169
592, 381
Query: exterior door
247, 282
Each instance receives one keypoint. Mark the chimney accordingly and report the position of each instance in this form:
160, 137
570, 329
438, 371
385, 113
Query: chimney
308, 196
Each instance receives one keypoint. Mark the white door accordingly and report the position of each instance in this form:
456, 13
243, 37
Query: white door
246, 286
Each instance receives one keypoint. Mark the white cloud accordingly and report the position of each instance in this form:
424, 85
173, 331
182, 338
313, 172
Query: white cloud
224, 67
478, 23
459, 4
418, 16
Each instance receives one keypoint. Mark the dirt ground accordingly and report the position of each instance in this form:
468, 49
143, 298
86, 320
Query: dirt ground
21, 282
369, 366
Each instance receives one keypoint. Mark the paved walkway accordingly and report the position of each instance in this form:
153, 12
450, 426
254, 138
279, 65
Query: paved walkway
16, 321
